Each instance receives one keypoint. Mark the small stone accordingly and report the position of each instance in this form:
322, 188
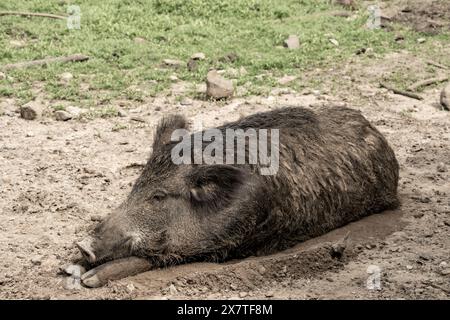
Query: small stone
243, 294
31, 111
2, 76
173, 78
334, 42
121, 113
421, 40
292, 42
74, 269
61, 115
441, 167
445, 97
36, 261
409, 267
262, 270
286, 79
269, 294
186, 102
96, 217
65, 77
130, 288
172, 289
218, 87
198, 56
173, 63
443, 265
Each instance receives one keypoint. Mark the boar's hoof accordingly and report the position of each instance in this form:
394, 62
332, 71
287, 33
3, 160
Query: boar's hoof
114, 270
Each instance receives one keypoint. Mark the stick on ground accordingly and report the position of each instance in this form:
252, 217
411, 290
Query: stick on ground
438, 65
31, 14
427, 82
26, 64
401, 92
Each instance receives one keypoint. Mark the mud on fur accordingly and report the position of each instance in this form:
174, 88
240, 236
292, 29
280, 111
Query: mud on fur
334, 168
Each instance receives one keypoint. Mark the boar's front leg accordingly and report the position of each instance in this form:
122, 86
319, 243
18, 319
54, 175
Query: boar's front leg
114, 270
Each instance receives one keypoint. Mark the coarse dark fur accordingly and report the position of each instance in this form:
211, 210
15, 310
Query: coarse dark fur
334, 168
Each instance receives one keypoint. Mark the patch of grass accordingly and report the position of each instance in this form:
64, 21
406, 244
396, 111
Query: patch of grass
176, 29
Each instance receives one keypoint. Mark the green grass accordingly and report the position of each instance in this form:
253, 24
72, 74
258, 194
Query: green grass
176, 29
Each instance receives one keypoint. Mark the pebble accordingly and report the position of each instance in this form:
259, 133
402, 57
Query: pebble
198, 56
186, 102
334, 42
173, 63
218, 87
36, 261
61, 115
121, 113
172, 289
292, 42
65, 77
441, 167
269, 294
31, 111
96, 217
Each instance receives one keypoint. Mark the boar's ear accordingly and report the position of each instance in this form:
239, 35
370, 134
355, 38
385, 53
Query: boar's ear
214, 185
166, 127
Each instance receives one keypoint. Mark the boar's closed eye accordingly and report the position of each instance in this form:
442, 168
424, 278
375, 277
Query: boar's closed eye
159, 195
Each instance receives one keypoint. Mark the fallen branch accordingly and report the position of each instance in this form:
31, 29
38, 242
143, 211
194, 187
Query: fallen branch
438, 65
427, 82
26, 64
401, 92
31, 14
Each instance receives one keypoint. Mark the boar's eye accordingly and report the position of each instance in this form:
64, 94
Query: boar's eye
159, 195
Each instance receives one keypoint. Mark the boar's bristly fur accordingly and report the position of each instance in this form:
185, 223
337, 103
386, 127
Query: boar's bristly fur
334, 168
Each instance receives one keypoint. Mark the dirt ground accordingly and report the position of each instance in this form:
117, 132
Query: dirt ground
58, 178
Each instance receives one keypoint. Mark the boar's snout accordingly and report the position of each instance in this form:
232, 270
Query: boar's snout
85, 247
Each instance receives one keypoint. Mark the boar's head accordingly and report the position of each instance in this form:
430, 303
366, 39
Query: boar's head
176, 212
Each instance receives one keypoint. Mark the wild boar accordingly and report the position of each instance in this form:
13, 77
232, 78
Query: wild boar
334, 167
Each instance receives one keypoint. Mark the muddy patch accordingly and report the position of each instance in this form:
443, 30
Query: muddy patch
306, 260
